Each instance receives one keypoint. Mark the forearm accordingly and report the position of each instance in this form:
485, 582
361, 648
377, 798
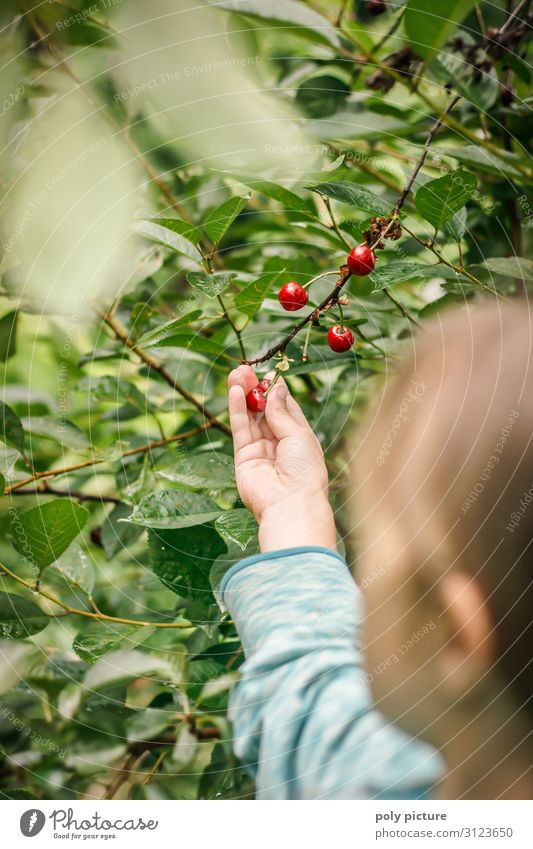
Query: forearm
293, 523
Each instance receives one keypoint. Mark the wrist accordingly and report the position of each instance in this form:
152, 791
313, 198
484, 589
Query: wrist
303, 520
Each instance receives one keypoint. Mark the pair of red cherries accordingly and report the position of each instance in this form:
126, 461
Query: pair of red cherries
360, 261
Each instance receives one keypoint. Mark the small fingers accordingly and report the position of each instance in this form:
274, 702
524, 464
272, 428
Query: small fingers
238, 416
296, 411
278, 417
243, 376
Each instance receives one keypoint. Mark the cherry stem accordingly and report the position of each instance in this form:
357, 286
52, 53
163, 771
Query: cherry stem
318, 277
273, 383
306, 343
341, 315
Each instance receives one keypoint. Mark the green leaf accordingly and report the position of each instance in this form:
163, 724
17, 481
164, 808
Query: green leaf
439, 200
208, 471
210, 284
8, 458
16, 662
288, 199
323, 94
515, 267
172, 508
400, 272
428, 24
354, 195
97, 354
59, 430
11, 430
150, 723
483, 160
19, 617
176, 225
193, 342
449, 67
159, 334
117, 535
182, 559
113, 390
170, 239
296, 15
43, 533
237, 526
100, 638
8, 335
76, 567
220, 219
455, 228
125, 665
250, 298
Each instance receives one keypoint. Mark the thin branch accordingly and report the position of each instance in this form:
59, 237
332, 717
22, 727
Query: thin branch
520, 9
334, 224
96, 461
432, 133
448, 120
312, 316
368, 341
103, 617
70, 493
122, 334
401, 307
459, 269
232, 324
480, 19
389, 33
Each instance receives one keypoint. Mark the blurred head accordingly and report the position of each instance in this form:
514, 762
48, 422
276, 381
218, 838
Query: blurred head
444, 496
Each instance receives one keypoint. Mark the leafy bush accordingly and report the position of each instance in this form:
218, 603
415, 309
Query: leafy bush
121, 512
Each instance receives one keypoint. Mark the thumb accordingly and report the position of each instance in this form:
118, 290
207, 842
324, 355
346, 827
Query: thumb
277, 414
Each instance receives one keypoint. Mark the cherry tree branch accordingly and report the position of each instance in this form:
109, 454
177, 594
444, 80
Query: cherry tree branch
75, 611
422, 158
333, 296
344, 275
96, 461
123, 336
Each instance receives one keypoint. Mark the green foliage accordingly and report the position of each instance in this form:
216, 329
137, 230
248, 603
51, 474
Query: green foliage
430, 23
439, 200
124, 402
8, 335
11, 430
43, 533
19, 617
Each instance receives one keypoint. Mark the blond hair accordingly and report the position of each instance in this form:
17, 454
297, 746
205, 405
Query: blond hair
445, 469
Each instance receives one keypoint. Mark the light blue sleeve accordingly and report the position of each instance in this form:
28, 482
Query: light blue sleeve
302, 713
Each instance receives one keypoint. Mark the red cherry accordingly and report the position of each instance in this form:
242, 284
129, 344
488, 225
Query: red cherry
340, 338
264, 384
361, 261
255, 400
292, 296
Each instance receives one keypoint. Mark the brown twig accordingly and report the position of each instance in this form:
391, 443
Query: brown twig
75, 611
76, 495
122, 334
432, 133
312, 316
406, 314
96, 461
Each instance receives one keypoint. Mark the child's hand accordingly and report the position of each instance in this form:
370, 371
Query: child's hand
280, 469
